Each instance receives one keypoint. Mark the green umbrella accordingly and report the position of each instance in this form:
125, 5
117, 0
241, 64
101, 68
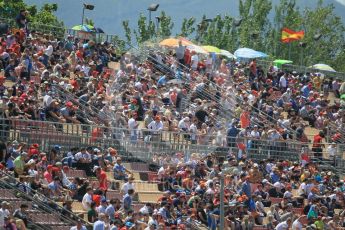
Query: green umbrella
84, 27
342, 96
212, 49
279, 62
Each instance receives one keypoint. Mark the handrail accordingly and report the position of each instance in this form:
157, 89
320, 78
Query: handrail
22, 124
43, 204
106, 138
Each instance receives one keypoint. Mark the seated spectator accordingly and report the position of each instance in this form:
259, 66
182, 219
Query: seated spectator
55, 189
21, 217
120, 172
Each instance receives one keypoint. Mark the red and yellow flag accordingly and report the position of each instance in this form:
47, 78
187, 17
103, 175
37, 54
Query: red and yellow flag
290, 35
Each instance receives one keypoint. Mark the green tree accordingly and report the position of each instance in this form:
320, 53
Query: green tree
145, 30
323, 21
165, 25
43, 19
128, 32
187, 27
255, 22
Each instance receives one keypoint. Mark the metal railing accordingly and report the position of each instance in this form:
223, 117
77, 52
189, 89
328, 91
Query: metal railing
8, 181
143, 144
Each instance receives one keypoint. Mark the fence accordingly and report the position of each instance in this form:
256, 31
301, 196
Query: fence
143, 144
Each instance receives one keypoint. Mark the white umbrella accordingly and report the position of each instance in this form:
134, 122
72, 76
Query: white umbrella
227, 54
197, 49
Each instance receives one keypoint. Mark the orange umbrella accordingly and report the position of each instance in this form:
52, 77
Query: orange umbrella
173, 42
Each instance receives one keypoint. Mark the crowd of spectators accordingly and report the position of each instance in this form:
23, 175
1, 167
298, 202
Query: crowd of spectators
215, 101
274, 194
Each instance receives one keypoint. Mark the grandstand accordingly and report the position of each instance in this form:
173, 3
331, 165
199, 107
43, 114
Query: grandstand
175, 171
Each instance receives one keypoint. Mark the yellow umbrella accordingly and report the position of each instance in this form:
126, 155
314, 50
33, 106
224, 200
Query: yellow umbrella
212, 49
173, 42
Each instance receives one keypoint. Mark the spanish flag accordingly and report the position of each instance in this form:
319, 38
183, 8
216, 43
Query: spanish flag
290, 35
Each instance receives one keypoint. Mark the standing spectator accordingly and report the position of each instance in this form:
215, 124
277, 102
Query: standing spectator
332, 152
155, 128
101, 224
92, 213
133, 127
317, 145
21, 19
102, 179
180, 52
127, 201
87, 199
127, 186
194, 61
111, 209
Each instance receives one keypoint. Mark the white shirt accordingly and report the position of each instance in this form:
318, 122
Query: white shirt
296, 225
127, 186
282, 82
81, 155
154, 126
301, 189
49, 51
132, 125
195, 61
331, 151
287, 194
255, 134
75, 228
2, 217
278, 185
282, 226
193, 131
87, 199
183, 125
160, 172
47, 100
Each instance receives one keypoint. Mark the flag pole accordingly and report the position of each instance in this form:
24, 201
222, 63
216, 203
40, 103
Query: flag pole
289, 50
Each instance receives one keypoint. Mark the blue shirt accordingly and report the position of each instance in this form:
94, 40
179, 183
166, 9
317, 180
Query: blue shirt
99, 225
162, 80
274, 177
110, 211
247, 189
233, 131
127, 202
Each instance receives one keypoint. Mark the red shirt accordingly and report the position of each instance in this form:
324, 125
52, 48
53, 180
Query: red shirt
48, 176
317, 141
103, 182
97, 199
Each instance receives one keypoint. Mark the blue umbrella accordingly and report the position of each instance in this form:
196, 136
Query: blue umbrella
246, 53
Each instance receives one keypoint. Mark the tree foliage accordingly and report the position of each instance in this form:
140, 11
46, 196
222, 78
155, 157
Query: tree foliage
259, 31
9, 9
